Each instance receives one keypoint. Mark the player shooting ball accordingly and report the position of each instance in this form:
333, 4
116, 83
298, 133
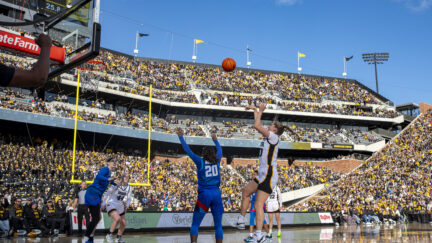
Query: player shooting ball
267, 177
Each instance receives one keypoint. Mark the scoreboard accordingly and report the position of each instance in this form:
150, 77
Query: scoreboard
49, 7
52, 7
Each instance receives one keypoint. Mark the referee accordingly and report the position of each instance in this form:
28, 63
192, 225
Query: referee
37, 76
82, 209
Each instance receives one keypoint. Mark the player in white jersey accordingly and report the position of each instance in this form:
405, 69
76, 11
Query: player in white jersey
116, 200
274, 204
267, 177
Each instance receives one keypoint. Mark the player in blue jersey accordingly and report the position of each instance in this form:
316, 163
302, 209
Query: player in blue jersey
93, 197
209, 194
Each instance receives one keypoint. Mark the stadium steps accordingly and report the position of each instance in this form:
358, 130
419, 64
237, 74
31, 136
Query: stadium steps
301, 193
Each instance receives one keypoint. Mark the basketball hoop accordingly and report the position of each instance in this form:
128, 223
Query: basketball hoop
90, 73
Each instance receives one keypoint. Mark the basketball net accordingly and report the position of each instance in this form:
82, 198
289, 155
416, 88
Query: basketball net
91, 73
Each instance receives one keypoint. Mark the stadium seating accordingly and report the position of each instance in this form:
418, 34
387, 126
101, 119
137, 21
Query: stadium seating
99, 112
394, 181
26, 170
174, 81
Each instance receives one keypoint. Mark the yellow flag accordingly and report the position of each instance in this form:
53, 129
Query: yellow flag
199, 41
301, 54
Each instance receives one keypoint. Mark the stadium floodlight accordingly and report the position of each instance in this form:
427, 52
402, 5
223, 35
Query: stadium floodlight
376, 58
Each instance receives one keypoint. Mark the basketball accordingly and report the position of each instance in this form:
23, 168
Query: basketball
228, 64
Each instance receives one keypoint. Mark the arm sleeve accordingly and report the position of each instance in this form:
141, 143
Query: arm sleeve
107, 195
6, 75
189, 152
129, 197
100, 175
218, 150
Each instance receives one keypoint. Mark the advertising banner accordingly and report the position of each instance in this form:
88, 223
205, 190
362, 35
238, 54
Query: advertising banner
160, 220
15, 42
84, 223
325, 218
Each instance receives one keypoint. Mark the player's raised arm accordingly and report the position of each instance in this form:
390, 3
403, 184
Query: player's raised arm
218, 147
186, 148
257, 115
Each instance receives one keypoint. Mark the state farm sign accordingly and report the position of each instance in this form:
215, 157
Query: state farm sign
15, 42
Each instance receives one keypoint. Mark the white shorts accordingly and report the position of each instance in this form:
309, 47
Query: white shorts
119, 207
272, 207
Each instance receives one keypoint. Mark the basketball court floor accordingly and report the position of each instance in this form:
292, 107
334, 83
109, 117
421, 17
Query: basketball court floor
396, 233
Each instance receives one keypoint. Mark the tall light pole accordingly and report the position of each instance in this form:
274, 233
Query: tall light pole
376, 58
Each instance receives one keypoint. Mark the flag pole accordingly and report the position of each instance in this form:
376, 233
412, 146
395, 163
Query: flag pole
194, 51
345, 71
298, 62
136, 44
248, 63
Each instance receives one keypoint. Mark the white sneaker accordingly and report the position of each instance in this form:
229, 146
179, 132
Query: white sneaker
240, 223
110, 238
120, 240
257, 239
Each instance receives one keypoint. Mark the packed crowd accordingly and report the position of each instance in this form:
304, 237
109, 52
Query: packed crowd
40, 170
395, 182
172, 80
297, 177
17, 100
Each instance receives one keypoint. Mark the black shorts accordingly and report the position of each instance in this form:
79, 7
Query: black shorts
265, 185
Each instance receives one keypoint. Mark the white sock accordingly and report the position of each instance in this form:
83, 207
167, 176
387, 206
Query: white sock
258, 233
251, 234
270, 232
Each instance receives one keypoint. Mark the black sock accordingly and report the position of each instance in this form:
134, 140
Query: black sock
119, 236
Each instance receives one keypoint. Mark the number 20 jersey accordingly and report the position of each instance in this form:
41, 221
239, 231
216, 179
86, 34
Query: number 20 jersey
208, 175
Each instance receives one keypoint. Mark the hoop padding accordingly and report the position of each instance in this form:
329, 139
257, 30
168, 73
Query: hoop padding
95, 62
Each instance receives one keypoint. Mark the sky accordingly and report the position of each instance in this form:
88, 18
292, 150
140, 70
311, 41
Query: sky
275, 30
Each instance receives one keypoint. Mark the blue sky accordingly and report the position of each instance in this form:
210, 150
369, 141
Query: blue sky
325, 30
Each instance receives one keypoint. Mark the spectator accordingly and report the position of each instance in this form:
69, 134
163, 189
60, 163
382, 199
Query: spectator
16, 213
4, 216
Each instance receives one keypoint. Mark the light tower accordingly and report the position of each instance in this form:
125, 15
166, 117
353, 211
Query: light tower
376, 58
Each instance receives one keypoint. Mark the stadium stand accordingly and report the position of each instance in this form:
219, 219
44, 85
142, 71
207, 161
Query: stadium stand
99, 112
393, 184
29, 167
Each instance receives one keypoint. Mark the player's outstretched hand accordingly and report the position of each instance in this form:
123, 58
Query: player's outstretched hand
179, 132
262, 106
43, 41
214, 136
112, 179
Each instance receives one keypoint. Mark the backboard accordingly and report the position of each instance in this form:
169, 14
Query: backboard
76, 29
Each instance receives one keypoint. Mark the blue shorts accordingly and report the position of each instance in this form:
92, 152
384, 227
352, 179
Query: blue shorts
210, 199
252, 219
